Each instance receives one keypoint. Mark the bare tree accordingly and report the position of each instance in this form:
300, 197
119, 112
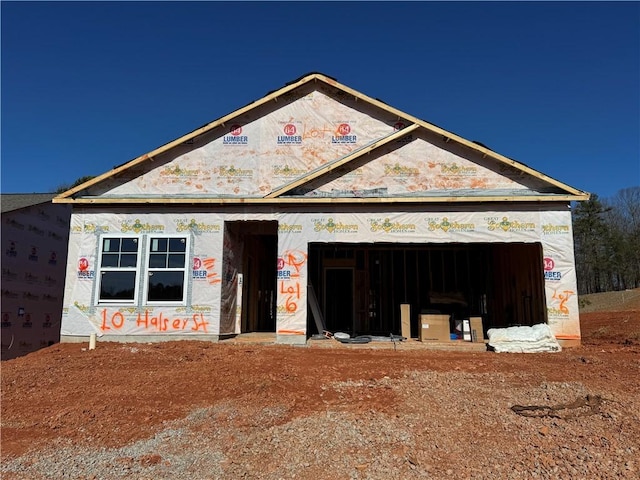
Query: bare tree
607, 239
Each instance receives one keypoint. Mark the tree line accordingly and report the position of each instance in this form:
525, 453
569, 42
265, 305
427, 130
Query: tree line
606, 235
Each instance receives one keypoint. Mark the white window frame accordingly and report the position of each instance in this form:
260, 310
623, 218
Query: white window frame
146, 270
101, 269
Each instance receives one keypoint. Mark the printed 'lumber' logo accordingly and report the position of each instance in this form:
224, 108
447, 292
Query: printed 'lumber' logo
235, 136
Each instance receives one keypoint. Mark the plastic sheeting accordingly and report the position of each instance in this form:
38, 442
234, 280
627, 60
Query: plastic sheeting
536, 339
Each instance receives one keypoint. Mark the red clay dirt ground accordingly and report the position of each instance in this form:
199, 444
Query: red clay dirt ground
194, 410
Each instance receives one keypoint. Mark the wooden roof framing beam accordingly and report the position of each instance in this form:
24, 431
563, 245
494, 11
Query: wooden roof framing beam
316, 200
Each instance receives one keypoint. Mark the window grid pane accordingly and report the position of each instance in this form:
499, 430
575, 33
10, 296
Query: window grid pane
177, 245
129, 245
176, 260
128, 260
157, 261
158, 245
166, 286
109, 260
118, 275
116, 285
167, 267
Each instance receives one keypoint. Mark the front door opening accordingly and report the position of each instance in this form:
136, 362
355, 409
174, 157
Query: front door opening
251, 250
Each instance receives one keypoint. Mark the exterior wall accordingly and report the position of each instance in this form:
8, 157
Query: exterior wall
551, 228
34, 254
201, 315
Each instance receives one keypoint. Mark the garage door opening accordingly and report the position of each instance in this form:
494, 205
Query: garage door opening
362, 286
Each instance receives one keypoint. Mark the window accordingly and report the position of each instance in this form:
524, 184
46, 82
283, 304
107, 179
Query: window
118, 269
164, 273
167, 272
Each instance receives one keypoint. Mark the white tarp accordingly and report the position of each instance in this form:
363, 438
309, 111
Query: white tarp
536, 339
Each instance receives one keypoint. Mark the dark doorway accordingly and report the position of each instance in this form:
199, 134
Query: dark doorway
338, 299
253, 246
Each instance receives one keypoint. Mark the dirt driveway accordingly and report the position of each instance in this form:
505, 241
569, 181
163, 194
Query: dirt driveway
195, 410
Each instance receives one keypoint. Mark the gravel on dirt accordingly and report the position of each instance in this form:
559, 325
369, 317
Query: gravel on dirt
198, 410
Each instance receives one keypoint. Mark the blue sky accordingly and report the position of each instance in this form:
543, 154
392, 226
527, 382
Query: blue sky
87, 86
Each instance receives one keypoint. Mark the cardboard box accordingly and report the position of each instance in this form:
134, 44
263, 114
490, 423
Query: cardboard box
434, 328
477, 334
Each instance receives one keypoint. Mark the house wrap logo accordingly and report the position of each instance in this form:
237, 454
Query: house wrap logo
6, 293
285, 171
333, 227
196, 227
14, 223
290, 136
233, 172
506, 225
176, 171
138, 227
11, 251
235, 137
436, 223
386, 226
549, 265
459, 170
82, 307
550, 229
341, 134
289, 228
89, 228
35, 230
85, 272
398, 170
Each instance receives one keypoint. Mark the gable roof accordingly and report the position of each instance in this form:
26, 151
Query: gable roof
563, 192
16, 201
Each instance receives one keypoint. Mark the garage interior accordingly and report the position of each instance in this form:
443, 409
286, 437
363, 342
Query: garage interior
360, 287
